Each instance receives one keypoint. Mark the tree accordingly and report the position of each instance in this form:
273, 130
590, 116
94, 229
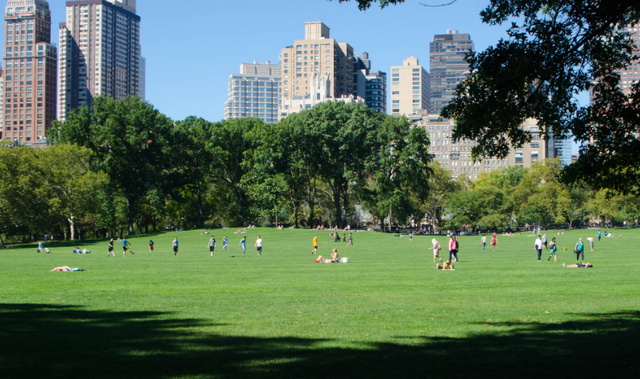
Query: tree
191, 158
541, 191
24, 201
441, 184
561, 49
342, 138
366, 4
486, 207
400, 168
128, 137
67, 174
230, 142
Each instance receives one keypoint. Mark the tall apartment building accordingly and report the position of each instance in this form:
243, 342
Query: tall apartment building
564, 150
456, 157
448, 66
255, 92
317, 55
631, 74
143, 79
376, 91
99, 52
410, 88
370, 85
30, 62
320, 93
1, 103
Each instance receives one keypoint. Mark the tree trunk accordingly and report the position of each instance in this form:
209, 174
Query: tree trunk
336, 204
345, 203
2, 241
200, 210
390, 215
311, 199
240, 199
130, 216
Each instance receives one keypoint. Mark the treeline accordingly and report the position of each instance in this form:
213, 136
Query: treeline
514, 197
123, 168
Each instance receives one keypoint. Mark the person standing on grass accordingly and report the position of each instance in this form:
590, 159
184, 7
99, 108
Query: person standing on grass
599, 235
258, 245
212, 245
410, 236
590, 239
243, 244
553, 250
436, 249
579, 250
151, 246
175, 246
344, 236
453, 248
483, 240
111, 249
494, 241
315, 245
544, 241
125, 247
225, 243
538, 246
40, 247
350, 240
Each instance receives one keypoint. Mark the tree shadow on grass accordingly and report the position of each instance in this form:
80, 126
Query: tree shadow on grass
49, 341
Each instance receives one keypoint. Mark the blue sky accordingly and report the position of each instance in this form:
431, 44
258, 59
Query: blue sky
192, 46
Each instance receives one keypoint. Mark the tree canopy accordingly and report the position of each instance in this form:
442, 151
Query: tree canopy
366, 4
555, 51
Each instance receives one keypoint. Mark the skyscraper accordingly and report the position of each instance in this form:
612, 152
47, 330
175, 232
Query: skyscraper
410, 88
30, 76
376, 91
448, 66
255, 92
143, 78
99, 52
371, 86
564, 150
2, 104
631, 74
317, 55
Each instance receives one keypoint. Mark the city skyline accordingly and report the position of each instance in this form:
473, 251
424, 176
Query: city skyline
183, 79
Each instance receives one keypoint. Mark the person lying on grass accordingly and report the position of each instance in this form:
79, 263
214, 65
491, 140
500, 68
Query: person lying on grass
334, 258
66, 269
579, 265
446, 266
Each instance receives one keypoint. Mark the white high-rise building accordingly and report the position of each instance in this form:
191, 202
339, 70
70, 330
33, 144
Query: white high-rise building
99, 52
410, 88
255, 92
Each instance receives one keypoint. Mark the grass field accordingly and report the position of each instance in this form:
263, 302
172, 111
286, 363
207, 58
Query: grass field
387, 314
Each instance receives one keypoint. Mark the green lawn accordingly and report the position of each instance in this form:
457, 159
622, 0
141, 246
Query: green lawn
387, 314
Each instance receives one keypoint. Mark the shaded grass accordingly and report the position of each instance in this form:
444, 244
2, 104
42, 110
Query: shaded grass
387, 314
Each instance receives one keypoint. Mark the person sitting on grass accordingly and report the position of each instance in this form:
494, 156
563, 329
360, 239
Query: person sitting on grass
446, 266
66, 269
335, 258
579, 265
